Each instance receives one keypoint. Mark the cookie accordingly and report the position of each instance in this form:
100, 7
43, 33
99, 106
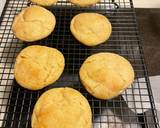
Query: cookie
44, 2
38, 66
33, 23
91, 28
106, 75
62, 108
84, 3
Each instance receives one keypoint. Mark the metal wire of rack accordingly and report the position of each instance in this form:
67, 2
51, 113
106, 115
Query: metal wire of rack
128, 110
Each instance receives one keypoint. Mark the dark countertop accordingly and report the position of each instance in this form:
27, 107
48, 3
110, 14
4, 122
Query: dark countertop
149, 26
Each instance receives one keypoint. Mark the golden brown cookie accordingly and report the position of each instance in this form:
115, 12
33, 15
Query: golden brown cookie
84, 3
44, 2
62, 108
38, 66
33, 23
91, 28
106, 75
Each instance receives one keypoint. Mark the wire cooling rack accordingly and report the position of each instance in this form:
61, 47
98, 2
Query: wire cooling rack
129, 110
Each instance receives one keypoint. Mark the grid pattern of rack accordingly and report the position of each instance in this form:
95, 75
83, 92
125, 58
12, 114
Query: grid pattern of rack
124, 111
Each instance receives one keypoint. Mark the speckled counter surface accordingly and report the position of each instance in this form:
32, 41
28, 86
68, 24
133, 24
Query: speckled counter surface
2, 3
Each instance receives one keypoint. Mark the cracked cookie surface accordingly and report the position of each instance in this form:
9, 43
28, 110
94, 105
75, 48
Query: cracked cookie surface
106, 75
90, 28
33, 23
38, 66
62, 108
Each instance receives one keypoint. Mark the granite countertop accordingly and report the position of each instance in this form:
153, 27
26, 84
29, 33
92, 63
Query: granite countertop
2, 3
